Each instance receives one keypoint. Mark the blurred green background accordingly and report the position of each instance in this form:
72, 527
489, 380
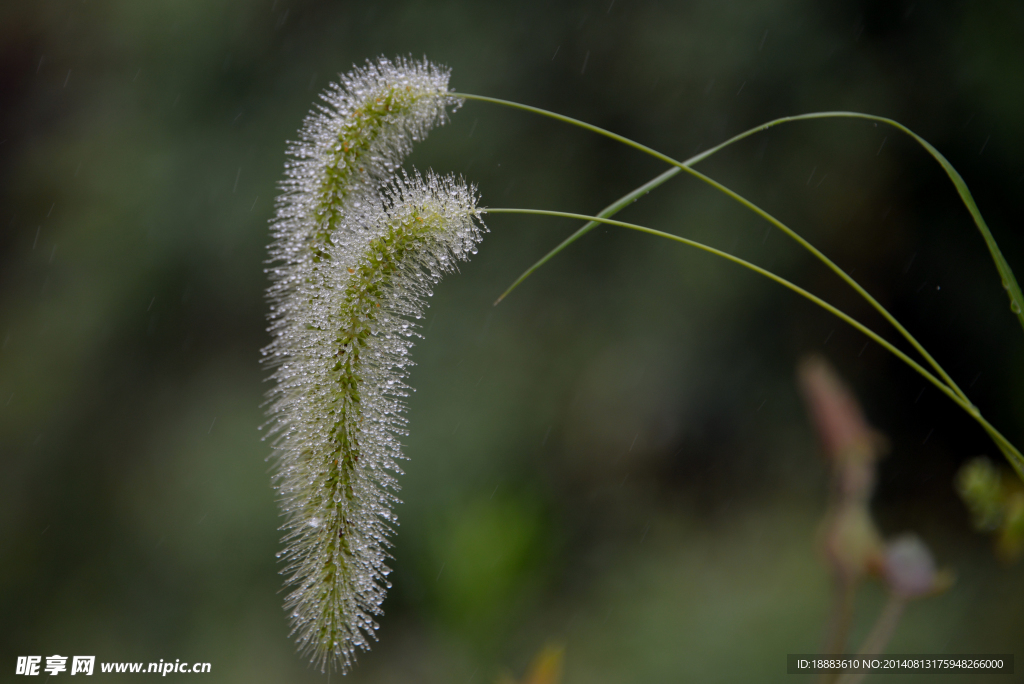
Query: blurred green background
615, 458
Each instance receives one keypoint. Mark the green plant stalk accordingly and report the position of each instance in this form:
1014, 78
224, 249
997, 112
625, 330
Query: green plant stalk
1009, 281
1013, 455
1006, 272
619, 204
683, 166
609, 211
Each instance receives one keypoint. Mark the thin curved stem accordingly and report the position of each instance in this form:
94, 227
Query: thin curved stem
838, 271
607, 212
685, 166
880, 635
618, 204
1006, 273
1013, 455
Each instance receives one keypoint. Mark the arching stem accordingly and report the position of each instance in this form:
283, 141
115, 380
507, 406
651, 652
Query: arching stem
1002, 266
685, 166
1013, 455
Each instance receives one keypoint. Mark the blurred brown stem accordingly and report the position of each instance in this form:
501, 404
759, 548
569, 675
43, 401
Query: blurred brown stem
841, 615
880, 635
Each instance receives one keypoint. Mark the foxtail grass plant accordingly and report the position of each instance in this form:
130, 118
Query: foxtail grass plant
357, 249
357, 246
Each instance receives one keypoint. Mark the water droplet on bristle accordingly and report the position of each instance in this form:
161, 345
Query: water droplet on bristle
342, 334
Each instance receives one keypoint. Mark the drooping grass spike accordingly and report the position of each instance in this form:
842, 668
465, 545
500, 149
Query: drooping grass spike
347, 147
357, 249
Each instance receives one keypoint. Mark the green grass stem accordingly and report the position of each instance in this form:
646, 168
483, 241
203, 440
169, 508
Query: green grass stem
1012, 454
685, 166
1002, 266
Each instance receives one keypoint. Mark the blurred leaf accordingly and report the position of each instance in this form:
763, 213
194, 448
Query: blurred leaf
484, 554
546, 668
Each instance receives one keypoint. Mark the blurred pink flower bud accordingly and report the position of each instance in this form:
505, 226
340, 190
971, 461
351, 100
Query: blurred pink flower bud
910, 569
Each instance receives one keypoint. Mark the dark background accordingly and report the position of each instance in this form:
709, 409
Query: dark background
615, 458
